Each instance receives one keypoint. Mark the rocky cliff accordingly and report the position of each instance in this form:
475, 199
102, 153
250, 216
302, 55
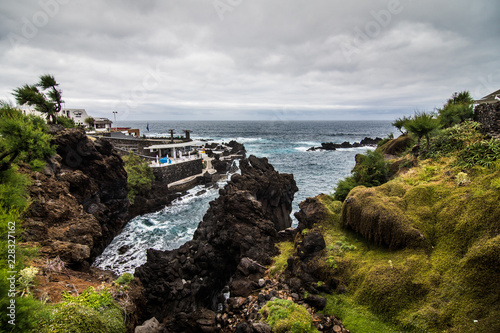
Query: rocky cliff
79, 200
228, 251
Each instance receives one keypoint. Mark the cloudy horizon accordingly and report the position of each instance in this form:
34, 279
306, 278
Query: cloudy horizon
252, 60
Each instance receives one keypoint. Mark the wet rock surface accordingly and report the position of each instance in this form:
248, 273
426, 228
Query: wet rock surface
229, 250
334, 146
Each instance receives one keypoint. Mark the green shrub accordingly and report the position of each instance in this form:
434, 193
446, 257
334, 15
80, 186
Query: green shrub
91, 298
66, 122
92, 311
286, 316
140, 176
124, 279
23, 139
344, 186
13, 190
449, 141
482, 153
371, 170
76, 318
457, 109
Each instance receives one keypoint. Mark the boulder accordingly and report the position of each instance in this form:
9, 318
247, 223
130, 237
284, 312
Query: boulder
380, 220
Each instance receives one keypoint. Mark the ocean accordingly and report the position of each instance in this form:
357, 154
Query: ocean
284, 143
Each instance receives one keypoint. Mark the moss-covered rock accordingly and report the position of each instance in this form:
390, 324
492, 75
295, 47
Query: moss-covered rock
287, 316
396, 146
450, 281
379, 219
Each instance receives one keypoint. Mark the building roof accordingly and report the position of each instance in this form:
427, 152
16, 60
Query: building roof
175, 145
102, 120
494, 97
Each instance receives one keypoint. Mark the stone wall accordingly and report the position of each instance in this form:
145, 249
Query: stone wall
488, 115
174, 172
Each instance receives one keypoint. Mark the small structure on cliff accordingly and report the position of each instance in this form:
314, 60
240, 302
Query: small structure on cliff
487, 113
174, 150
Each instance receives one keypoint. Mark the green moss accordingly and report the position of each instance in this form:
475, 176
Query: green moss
442, 288
287, 316
379, 219
390, 288
281, 261
355, 317
393, 189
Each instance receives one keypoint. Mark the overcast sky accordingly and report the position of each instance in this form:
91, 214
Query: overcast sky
252, 59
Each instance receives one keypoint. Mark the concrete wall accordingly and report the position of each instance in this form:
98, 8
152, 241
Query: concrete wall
175, 172
488, 115
135, 145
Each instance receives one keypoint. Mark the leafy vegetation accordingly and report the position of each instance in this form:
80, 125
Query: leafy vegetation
457, 109
124, 279
90, 122
66, 122
370, 170
47, 99
400, 123
422, 125
92, 311
287, 316
140, 175
22, 139
442, 288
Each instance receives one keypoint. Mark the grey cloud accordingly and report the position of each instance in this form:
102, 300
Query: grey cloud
162, 59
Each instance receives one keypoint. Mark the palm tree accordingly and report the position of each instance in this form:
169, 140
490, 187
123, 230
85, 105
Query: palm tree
89, 121
422, 124
48, 102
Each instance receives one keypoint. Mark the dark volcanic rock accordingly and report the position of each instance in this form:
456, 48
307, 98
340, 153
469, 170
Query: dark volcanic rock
311, 212
334, 146
79, 201
234, 240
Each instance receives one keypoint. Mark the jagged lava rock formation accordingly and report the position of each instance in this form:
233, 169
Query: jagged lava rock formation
229, 249
79, 200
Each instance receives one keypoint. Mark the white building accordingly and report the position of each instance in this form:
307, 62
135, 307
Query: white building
78, 115
102, 124
27, 110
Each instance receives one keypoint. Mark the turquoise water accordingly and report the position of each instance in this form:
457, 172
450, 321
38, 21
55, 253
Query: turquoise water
285, 144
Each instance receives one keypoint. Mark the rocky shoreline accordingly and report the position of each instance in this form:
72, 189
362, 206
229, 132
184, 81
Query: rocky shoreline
334, 146
162, 193
217, 282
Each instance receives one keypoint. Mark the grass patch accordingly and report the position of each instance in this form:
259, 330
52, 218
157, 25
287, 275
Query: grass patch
281, 261
356, 318
443, 287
